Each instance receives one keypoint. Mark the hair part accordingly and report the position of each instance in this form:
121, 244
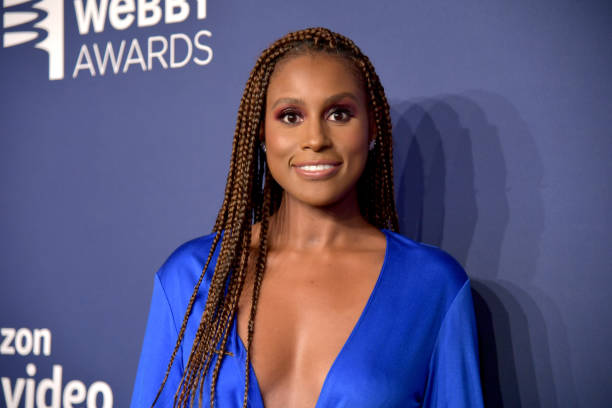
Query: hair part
251, 196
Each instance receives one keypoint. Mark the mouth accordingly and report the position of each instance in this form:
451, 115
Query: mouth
316, 171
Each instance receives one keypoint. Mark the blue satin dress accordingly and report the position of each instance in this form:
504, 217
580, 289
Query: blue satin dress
414, 344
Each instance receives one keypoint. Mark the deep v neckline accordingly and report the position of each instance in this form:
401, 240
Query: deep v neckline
324, 388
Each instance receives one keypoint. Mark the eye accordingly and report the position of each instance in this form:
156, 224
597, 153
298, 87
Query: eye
290, 117
340, 115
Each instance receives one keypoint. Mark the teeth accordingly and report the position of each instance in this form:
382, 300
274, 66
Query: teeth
317, 167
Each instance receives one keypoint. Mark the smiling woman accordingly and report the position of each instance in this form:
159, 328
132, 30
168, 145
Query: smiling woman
305, 294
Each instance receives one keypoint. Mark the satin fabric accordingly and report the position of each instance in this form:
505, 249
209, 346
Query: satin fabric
414, 344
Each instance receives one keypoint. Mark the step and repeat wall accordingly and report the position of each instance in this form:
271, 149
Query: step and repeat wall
116, 124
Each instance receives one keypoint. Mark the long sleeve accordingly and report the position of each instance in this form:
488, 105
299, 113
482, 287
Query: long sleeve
159, 341
454, 379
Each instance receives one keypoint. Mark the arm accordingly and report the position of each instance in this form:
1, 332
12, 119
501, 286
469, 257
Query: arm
454, 379
159, 341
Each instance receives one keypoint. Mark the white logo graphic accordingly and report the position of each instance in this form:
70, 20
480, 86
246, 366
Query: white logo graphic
53, 24
41, 22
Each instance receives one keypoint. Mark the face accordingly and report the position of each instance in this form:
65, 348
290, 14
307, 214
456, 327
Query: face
316, 129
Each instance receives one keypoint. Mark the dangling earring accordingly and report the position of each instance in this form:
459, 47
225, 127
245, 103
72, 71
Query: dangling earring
263, 147
372, 145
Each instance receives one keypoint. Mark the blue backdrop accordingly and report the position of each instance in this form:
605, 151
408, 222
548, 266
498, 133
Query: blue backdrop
115, 133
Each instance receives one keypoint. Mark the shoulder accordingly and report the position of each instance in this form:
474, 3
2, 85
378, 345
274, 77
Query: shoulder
183, 268
425, 265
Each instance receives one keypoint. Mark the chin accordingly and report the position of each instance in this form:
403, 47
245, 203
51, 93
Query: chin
320, 203
319, 199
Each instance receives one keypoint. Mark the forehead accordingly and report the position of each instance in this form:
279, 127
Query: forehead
313, 75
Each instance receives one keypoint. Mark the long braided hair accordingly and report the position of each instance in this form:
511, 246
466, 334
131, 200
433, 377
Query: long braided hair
252, 196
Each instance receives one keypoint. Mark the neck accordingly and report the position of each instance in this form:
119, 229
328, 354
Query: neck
300, 226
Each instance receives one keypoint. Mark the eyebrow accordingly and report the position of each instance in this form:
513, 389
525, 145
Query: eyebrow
331, 99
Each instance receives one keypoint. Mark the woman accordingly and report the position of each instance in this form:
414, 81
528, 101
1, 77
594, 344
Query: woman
303, 294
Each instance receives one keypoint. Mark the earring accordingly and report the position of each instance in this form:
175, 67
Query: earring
372, 144
263, 147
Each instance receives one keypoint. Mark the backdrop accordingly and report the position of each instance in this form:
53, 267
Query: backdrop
116, 125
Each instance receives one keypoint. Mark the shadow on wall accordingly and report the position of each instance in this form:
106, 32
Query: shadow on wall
455, 190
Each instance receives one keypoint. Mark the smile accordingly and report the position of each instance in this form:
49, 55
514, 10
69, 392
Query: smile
316, 167
317, 171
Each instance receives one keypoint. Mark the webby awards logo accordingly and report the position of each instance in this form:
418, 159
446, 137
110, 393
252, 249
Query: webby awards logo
42, 24
52, 24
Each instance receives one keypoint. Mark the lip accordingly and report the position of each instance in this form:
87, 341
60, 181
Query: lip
309, 170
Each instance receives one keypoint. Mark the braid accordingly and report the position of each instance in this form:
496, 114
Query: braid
259, 270
251, 195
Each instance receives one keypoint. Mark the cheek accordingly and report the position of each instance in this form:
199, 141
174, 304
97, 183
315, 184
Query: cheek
279, 150
277, 141
356, 141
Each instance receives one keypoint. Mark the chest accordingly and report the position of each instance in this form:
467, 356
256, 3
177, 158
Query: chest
307, 309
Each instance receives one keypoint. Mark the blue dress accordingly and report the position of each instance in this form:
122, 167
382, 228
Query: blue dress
414, 344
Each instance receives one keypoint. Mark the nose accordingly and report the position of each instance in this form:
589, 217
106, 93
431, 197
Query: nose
316, 136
